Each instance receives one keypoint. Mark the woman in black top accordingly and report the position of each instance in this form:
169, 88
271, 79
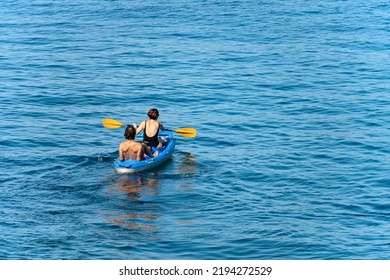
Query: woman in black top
151, 128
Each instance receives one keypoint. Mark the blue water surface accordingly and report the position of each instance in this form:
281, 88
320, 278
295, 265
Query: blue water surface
290, 100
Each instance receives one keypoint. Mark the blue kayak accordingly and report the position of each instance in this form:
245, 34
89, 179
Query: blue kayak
132, 166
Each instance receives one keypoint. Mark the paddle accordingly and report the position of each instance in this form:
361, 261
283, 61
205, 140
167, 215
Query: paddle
184, 131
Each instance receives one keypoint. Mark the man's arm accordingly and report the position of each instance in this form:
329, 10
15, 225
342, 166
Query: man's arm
139, 153
120, 152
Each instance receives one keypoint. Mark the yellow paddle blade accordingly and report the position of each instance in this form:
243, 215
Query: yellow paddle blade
111, 123
186, 132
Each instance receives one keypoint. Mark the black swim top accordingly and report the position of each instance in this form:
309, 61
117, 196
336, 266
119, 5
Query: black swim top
152, 141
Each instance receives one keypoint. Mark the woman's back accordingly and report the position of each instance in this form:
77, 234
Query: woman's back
151, 132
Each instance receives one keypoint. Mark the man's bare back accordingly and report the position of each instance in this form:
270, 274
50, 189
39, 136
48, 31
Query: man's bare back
131, 149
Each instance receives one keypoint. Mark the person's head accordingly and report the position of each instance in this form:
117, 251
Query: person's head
153, 114
129, 132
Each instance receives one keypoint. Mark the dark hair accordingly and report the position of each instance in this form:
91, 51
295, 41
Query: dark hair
153, 114
129, 132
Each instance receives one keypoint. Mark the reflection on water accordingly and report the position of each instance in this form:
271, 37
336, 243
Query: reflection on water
187, 168
134, 195
134, 221
187, 165
134, 187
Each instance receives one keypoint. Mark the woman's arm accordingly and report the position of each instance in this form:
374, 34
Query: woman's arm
140, 127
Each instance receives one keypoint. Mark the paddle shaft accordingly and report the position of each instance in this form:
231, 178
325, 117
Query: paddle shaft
187, 132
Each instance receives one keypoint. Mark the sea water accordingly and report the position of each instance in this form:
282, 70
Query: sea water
290, 100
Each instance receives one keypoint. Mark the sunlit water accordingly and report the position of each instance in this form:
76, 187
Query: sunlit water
290, 100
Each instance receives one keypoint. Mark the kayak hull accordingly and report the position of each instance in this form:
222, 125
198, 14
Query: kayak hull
132, 166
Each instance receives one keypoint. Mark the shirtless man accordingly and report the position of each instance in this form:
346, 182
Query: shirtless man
131, 149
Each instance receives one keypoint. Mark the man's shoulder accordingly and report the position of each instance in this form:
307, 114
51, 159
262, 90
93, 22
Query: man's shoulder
124, 143
135, 144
